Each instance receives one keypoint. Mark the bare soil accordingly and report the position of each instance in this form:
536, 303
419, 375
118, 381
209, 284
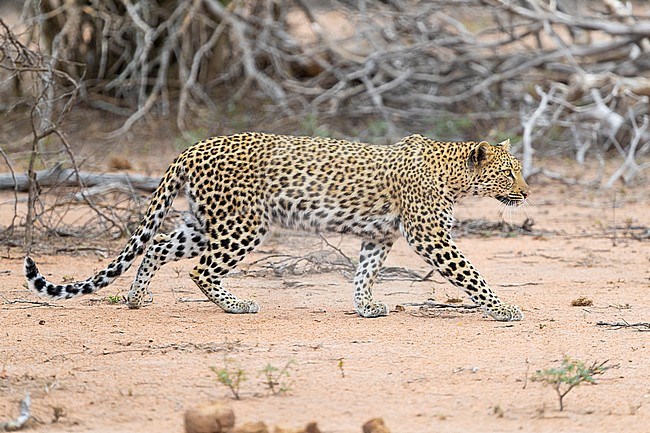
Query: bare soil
90, 365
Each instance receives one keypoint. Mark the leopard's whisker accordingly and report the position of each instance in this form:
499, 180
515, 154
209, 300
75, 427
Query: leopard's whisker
529, 209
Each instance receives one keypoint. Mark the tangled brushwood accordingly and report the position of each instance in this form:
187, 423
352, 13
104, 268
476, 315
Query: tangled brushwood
571, 69
557, 78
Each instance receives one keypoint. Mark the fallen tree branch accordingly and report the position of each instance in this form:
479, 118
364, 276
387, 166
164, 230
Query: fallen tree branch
57, 176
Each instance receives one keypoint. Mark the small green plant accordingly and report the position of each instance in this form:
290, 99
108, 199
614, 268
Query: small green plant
277, 379
231, 376
114, 299
569, 375
340, 365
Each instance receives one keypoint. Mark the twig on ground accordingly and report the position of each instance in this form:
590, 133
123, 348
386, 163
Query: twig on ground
433, 304
396, 273
193, 300
338, 250
639, 326
29, 304
520, 284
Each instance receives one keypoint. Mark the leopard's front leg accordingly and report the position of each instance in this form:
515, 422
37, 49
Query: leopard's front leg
433, 243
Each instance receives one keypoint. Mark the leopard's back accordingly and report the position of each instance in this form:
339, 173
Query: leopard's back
308, 183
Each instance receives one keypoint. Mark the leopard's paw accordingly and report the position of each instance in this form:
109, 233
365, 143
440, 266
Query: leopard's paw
135, 298
373, 309
506, 313
242, 307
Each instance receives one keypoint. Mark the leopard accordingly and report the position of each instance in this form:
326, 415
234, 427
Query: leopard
239, 186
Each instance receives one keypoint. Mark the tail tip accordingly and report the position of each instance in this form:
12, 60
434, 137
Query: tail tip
31, 271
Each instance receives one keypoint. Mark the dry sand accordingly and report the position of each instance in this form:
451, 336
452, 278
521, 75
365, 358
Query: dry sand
93, 366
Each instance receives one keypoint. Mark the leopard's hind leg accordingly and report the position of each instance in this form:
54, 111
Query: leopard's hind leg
228, 243
186, 241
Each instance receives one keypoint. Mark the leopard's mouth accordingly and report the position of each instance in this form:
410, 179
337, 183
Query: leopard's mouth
511, 199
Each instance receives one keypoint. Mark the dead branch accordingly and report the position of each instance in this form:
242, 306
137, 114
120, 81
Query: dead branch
30, 304
484, 227
629, 168
14, 182
547, 13
640, 326
433, 304
528, 124
60, 177
395, 273
351, 262
431, 308
53, 95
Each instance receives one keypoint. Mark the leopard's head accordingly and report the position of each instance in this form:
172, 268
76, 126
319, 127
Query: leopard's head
496, 173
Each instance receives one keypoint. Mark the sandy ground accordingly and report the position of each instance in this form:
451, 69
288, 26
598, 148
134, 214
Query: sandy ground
94, 366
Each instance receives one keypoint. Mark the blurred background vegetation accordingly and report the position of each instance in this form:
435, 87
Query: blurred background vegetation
90, 86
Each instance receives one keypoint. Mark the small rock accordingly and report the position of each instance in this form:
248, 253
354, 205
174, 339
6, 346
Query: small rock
375, 425
252, 427
312, 427
212, 418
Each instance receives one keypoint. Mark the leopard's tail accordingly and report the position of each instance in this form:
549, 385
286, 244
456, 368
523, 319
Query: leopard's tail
160, 203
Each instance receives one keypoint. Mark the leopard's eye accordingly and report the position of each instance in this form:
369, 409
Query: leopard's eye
508, 173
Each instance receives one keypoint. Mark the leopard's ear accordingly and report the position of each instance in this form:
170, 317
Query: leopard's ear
479, 155
505, 145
